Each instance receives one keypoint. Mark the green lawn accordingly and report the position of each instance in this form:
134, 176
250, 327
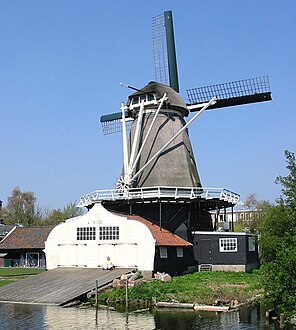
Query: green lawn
202, 288
9, 275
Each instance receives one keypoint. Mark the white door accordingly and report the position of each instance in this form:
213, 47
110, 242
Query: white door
68, 255
126, 255
104, 251
82, 255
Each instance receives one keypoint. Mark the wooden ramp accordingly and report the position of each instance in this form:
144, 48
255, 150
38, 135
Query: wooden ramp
58, 286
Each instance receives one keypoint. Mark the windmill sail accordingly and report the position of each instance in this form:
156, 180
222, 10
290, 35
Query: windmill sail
164, 52
232, 93
112, 123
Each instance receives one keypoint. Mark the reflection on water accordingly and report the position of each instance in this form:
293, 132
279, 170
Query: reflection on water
27, 317
245, 318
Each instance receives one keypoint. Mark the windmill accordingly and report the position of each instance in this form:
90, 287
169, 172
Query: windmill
159, 178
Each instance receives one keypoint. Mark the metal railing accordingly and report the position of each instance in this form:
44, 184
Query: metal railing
161, 192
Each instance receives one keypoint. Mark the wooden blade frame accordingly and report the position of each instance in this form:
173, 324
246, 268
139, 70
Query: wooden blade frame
231, 93
113, 123
164, 51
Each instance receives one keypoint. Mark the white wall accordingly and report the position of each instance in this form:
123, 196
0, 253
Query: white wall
134, 248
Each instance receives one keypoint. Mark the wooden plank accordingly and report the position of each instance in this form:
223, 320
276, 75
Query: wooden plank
58, 286
210, 308
174, 305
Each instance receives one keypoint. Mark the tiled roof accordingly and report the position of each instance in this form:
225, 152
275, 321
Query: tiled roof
4, 230
162, 236
26, 238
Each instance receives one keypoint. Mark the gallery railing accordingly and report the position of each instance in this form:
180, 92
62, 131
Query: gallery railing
148, 193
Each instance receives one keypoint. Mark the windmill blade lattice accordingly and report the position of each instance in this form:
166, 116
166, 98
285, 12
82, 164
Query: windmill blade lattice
112, 123
160, 50
232, 93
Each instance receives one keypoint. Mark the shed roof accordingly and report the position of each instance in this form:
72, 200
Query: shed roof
26, 238
162, 236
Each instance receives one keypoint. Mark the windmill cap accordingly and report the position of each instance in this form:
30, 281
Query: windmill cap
174, 101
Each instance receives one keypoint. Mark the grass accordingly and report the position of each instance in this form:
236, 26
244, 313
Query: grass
201, 288
9, 275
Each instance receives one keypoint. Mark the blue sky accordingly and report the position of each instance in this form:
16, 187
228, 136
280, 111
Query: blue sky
61, 63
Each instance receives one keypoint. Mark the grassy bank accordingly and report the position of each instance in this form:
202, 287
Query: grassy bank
200, 288
9, 275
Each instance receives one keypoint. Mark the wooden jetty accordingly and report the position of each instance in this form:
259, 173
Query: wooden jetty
58, 286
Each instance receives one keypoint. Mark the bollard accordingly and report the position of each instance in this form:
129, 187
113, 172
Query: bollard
282, 321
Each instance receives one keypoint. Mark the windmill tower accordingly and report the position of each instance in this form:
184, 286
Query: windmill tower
159, 178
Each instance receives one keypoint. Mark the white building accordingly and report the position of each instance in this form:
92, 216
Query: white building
130, 242
226, 218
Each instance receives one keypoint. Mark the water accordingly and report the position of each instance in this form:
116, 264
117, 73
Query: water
27, 317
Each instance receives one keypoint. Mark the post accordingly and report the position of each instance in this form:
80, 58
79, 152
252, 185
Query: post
232, 229
126, 293
97, 284
160, 216
282, 321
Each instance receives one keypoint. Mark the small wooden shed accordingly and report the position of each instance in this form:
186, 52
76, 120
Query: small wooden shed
224, 250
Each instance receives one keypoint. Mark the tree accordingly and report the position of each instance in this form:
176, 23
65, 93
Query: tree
56, 215
71, 211
258, 209
288, 194
278, 244
252, 202
20, 208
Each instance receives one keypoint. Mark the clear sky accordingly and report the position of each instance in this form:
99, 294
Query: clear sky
61, 62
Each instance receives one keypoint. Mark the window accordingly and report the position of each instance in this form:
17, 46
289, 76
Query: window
32, 259
179, 252
142, 98
252, 244
228, 244
86, 233
109, 233
163, 252
136, 100
150, 97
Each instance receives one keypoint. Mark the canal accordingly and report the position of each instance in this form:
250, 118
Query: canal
27, 317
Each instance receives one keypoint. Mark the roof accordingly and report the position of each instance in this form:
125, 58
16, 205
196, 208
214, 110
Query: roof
26, 238
4, 230
162, 236
222, 233
174, 100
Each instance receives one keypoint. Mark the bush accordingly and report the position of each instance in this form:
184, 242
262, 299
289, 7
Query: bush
278, 246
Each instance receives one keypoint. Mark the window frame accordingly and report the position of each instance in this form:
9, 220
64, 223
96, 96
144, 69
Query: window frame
251, 244
228, 244
180, 252
86, 233
163, 252
108, 233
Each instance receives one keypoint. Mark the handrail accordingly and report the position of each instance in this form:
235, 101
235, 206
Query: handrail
159, 192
